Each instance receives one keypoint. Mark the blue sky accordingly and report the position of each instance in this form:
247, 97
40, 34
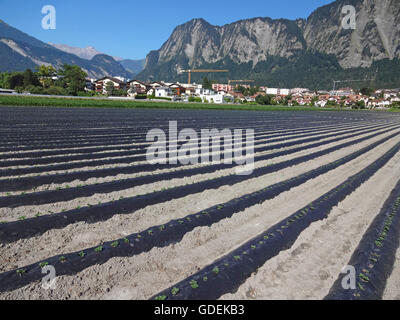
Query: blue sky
130, 29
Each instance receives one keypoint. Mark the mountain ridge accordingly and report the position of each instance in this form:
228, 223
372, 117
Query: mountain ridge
254, 45
19, 51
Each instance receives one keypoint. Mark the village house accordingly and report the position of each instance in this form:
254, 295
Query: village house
163, 92
177, 89
137, 87
101, 84
202, 91
343, 92
221, 87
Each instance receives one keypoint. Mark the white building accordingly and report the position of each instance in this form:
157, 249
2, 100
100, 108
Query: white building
163, 92
277, 91
201, 91
272, 91
214, 98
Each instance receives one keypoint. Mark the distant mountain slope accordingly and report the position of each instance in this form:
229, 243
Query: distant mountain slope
133, 66
19, 51
85, 53
311, 52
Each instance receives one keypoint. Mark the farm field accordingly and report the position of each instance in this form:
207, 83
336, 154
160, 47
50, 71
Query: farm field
77, 193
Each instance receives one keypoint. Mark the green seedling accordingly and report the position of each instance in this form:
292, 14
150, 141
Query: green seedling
162, 228
126, 240
216, 270
205, 279
63, 259
98, 249
150, 232
161, 298
115, 244
82, 254
43, 264
22, 218
236, 258
361, 287
194, 284
20, 272
175, 291
363, 277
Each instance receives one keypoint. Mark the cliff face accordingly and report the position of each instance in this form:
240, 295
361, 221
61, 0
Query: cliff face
376, 37
197, 43
244, 41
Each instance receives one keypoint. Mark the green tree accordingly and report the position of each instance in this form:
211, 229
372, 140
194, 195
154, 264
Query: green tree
74, 79
46, 74
5, 80
264, 100
16, 80
110, 89
46, 71
360, 104
207, 84
367, 91
30, 79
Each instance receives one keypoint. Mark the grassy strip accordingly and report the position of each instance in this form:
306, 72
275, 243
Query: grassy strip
6, 100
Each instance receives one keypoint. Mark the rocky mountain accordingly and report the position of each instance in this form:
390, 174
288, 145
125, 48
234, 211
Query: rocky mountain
376, 36
19, 51
306, 52
85, 53
88, 53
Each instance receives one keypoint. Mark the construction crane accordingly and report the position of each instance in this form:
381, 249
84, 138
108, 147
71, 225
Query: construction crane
199, 71
231, 81
339, 81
